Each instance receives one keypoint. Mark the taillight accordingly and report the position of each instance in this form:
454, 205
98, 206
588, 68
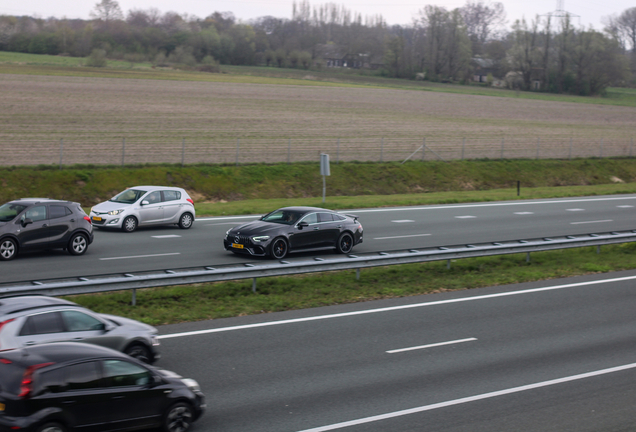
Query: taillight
27, 380
86, 218
190, 201
5, 361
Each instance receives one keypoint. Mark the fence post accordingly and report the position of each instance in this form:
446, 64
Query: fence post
338, 152
182, 152
570, 148
601, 150
123, 150
61, 151
630, 147
238, 140
423, 148
381, 149
538, 144
289, 151
502, 148
463, 146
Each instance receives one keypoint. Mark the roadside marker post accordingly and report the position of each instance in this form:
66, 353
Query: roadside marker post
324, 172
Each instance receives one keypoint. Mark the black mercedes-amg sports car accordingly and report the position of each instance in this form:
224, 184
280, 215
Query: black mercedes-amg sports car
295, 229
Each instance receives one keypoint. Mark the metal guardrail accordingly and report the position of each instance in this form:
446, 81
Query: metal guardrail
266, 268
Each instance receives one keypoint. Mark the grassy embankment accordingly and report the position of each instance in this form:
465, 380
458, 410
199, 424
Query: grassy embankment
259, 188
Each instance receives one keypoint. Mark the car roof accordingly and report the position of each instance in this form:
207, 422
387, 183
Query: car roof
307, 209
11, 305
59, 352
30, 201
151, 188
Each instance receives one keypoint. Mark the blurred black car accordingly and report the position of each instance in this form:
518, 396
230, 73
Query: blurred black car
295, 229
41, 223
61, 387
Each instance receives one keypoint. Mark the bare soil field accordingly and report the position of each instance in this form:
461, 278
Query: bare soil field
71, 120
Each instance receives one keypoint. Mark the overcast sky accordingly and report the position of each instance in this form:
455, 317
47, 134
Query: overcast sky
394, 12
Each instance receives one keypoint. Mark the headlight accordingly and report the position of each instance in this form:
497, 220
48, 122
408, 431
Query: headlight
114, 212
260, 238
227, 233
191, 384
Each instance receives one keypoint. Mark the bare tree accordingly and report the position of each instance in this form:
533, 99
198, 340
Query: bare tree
626, 23
107, 10
481, 19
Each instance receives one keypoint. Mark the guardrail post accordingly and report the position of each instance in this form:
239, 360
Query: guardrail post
358, 274
134, 297
528, 257
598, 249
254, 285
448, 264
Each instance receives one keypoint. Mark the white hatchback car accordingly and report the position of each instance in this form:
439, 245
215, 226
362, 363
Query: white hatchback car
145, 205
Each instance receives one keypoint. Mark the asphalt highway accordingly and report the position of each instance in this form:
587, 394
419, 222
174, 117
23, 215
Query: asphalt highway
384, 229
549, 356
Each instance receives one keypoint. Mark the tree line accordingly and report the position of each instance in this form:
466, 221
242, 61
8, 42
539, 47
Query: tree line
547, 53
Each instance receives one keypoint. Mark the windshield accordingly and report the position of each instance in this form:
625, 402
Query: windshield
287, 217
128, 196
9, 211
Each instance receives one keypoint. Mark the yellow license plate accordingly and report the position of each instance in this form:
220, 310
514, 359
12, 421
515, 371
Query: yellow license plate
237, 246
97, 218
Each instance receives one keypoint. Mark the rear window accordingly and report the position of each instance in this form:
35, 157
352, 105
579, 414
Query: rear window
171, 195
58, 211
42, 324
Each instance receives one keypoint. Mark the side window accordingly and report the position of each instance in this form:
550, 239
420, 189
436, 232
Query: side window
82, 376
154, 197
119, 373
325, 217
58, 211
311, 219
43, 323
171, 195
79, 321
36, 213
50, 381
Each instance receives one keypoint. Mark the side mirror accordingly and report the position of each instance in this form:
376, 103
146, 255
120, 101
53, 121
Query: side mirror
26, 222
145, 202
302, 225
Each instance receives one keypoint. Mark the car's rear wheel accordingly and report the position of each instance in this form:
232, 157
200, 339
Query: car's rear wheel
345, 243
8, 249
279, 248
78, 244
129, 224
139, 351
185, 221
51, 427
179, 418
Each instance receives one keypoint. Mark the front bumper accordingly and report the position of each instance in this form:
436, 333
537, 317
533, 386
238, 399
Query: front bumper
248, 247
104, 220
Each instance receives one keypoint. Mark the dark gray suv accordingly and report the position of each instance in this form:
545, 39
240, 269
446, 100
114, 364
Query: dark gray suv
42, 223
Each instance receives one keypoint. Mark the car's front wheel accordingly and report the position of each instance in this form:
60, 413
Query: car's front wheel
279, 248
185, 221
139, 351
78, 244
51, 427
345, 243
129, 224
8, 249
178, 418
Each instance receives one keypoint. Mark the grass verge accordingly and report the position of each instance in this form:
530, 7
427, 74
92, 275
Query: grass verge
157, 306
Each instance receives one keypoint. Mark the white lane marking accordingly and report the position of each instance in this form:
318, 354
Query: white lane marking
225, 223
625, 206
231, 217
490, 204
471, 398
166, 236
139, 256
431, 345
396, 237
587, 222
402, 221
524, 213
395, 308
577, 209
465, 217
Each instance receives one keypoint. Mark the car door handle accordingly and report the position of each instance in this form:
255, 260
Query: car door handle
78, 338
316, 228
30, 343
72, 220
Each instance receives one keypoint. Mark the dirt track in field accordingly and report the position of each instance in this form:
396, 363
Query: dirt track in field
85, 120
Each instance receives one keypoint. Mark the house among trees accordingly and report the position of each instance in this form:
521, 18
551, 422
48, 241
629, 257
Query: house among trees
483, 67
334, 55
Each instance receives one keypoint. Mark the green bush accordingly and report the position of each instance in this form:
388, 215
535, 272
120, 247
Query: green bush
97, 58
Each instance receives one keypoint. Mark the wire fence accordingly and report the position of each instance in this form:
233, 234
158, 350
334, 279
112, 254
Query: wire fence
131, 151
